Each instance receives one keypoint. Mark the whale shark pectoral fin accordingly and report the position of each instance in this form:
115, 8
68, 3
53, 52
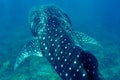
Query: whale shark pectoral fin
85, 39
21, 58
90, 64
31, 48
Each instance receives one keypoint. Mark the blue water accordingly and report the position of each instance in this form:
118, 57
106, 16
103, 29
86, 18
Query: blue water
98, 18
91, 14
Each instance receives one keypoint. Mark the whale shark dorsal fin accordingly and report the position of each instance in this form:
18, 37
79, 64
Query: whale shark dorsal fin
31, 48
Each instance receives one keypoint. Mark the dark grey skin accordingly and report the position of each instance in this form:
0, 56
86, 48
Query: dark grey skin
54, 40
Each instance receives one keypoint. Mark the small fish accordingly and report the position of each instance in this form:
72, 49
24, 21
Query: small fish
54, 41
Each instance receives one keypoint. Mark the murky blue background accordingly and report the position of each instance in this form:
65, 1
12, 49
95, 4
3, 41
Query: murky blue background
97, 18
86, 15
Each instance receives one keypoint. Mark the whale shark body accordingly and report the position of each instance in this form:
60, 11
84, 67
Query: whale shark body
54, 40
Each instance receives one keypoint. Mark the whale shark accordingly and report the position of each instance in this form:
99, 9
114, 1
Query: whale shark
53, 39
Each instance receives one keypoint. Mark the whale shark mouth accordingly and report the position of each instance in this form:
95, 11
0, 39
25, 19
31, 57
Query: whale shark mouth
56, 41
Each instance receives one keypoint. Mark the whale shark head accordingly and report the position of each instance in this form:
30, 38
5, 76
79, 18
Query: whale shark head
44, 17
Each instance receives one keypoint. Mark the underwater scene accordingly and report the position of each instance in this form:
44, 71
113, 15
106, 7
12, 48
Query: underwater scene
59, 40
